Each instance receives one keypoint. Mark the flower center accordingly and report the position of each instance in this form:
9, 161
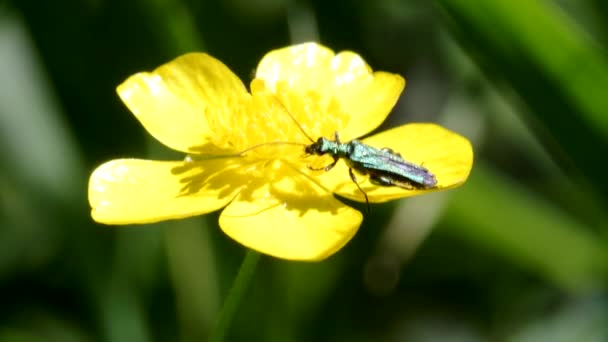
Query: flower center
277, 125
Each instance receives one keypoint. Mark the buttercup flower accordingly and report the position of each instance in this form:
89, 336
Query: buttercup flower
245, 150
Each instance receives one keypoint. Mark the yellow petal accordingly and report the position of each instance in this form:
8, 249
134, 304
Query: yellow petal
289, 218
446, 154
177, 101
126, 191
345, 78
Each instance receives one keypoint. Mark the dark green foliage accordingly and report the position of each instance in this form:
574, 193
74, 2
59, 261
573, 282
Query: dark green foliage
518, 253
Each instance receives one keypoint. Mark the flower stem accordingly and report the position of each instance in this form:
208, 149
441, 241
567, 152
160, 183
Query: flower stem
240, 285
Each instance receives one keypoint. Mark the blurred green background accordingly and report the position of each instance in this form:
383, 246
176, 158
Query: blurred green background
519, 253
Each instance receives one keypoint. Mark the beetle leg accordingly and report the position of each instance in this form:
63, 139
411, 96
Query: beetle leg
337, 138
331, 166
354, 179
325, 168
389, 150
388, 181
380, 180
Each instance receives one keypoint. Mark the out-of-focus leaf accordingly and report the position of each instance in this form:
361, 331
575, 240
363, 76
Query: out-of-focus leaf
578, 319
556, 69
194, 276
512, 222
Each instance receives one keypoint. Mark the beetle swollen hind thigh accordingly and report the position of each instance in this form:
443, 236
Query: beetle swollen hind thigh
387, 181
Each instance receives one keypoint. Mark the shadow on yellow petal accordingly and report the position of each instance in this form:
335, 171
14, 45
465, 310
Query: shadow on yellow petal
126, 191
289, 217
343, 82
448, 155
178, 101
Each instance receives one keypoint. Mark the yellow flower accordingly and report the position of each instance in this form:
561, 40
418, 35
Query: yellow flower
273, 202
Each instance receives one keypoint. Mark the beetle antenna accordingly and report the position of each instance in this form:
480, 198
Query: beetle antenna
268, 143
295, 121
